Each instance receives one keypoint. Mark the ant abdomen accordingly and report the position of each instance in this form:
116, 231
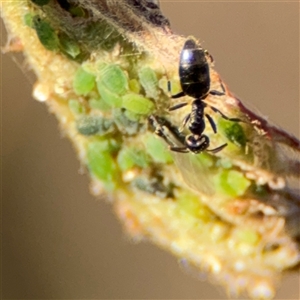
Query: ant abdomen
194, 70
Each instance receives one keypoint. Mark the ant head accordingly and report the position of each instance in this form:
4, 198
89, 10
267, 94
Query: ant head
197, 143
190, 44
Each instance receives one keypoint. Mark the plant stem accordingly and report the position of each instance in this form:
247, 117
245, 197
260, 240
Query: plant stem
102, 68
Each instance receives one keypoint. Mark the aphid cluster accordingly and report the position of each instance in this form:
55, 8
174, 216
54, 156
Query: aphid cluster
194, 73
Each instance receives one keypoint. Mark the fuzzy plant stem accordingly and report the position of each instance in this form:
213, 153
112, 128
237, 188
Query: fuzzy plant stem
103, 68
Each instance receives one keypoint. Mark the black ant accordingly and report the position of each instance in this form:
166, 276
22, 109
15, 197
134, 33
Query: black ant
194, 74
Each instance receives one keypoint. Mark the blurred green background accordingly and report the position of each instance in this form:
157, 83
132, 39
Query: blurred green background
60, 242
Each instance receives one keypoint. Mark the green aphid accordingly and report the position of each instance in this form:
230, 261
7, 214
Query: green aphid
125, 124
102, 34
234, 132
110, 40
125, 160
92, 30
157, 149
40, 2
190, 204
99, 34
91, 125
83, 82
77, 11
132, 116
68, 45
141, 158
45, 33
110, 98
231, 183
148, 80
99, 104
154, 185
101, 164
131, 157
76, 107
114, 79
138, 104
28, 20
134, 86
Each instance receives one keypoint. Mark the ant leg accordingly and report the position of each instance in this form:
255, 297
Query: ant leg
179, 149
177, 106
212, 123
158, 129
209, 55
169, 86
185, 120
216, 93
222, 87
224, 116
161, 133
171, 145
217, 149
179, 95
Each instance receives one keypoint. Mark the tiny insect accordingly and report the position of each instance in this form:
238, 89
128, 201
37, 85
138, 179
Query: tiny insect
194, 74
